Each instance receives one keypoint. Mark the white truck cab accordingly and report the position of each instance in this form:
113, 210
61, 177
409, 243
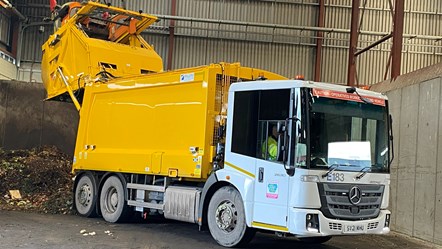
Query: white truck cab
330, 175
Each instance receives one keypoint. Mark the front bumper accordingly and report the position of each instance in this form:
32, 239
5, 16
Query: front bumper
334, 227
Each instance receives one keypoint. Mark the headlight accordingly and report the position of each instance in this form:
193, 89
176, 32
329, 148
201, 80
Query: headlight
312, 222
387, 220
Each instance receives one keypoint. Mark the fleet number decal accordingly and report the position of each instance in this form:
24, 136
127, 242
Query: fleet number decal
335, 177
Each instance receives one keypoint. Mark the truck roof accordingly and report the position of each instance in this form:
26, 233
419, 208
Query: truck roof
281, 84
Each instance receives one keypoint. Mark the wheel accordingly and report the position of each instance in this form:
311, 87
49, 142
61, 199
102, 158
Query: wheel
112, 202
315, 240
86, 195
226, 218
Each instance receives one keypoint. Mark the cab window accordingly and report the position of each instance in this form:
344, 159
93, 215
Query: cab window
255, 118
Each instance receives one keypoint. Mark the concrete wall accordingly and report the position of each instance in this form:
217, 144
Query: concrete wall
416, 174
27, 121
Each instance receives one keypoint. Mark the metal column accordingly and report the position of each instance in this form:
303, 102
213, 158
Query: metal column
171, 36
320, 34
398, 28
351, 73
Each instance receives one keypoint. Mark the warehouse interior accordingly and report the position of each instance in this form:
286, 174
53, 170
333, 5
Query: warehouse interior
392, 46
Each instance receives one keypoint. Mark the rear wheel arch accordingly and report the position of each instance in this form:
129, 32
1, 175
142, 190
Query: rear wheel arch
79, 175
109, 174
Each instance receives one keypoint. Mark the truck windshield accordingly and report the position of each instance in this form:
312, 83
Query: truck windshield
347, 135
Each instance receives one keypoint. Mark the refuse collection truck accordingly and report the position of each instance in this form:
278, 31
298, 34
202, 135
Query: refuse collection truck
227, 147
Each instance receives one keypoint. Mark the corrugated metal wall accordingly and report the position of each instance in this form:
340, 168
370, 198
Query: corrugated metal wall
420, 19
283, 50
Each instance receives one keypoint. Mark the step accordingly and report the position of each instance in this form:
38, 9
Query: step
153, 188
146, 204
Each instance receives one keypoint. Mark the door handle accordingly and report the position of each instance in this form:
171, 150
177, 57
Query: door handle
261, 174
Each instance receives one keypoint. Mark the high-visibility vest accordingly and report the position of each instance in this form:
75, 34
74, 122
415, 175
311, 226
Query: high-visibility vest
271, 147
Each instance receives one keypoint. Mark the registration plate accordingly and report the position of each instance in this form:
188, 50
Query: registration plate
354, 228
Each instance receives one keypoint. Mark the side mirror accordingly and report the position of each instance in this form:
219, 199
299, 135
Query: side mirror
281, 128
290, 169
281, 149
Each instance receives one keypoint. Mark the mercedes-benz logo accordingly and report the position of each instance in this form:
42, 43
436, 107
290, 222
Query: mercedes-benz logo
355, 195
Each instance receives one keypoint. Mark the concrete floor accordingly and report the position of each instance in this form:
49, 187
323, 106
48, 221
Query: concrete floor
31, 230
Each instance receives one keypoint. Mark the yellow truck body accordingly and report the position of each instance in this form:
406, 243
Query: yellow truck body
160, 124
135, 118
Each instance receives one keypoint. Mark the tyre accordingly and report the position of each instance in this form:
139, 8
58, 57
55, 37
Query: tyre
86, 195
112, 200
315, 240
226, 218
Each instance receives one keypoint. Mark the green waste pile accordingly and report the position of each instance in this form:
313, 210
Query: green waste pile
36, 180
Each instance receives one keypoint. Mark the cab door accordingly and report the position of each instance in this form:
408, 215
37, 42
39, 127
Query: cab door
271, 181
271, 194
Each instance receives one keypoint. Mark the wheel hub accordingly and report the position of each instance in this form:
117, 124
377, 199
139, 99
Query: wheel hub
226, 216
85, 195
111, 200
114, 199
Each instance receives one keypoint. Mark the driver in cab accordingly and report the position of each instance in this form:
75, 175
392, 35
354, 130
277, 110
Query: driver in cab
270, 147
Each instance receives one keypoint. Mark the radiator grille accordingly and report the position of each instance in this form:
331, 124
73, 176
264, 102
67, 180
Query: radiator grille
336, 203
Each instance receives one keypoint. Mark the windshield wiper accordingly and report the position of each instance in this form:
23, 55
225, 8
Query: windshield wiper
359, 177
353, 90
333, 167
